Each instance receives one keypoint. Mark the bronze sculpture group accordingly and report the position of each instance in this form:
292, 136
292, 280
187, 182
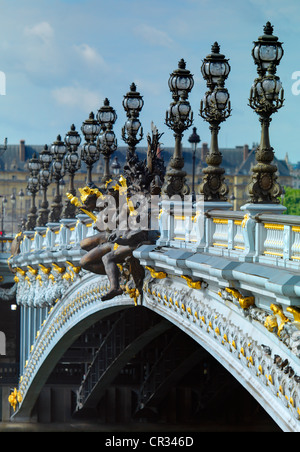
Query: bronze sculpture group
110, 251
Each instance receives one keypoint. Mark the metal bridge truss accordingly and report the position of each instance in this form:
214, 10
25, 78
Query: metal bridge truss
130, 333
174, 361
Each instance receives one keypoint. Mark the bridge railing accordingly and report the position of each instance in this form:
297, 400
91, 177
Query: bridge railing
278, 240
6, 276
264, 238
66, 234
5, 243
181, 224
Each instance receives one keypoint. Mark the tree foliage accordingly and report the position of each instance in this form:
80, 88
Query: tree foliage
291, 201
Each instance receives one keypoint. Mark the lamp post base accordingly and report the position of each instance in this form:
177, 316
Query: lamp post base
175, 183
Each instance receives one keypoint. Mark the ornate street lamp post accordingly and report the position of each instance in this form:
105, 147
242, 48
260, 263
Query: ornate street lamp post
266, 98
133, 104
194, 139
115, 166
89, 151
13, 211
71, 165
179, 117
33, 187
215, 108
58, 151
107, 141
21, 196
4, 147
45, 159
3, 205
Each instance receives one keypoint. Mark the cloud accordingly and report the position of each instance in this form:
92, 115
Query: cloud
76, 96
40, 56
42, 31
154, 36
90, 55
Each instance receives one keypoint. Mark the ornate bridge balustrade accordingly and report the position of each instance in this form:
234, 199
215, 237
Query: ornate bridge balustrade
247, 263
6, 276
262, 238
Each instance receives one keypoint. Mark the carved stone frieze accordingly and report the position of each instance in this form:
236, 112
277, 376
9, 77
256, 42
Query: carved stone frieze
41, 288
276, 322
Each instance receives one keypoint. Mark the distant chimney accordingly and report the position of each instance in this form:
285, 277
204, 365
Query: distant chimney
22, 151
204, 151
246, 151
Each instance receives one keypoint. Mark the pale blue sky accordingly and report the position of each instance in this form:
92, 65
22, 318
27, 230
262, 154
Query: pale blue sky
63, 57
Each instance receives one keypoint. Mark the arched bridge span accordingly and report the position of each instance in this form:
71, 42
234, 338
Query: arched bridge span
236, 338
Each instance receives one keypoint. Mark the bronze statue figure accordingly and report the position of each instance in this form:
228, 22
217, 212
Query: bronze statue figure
110, 251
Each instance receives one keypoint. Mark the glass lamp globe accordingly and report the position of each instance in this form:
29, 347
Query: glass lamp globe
89, 151
57, 166
184, 109
44, 175
215, 67
72, 138
181, 110
13, 199
34, 181
267, 49
58, 148
107, 139
72, 162
91, 128
106, 115
132, 126
181, 81
221, 97
133, 101
269, 87
34, 164
45, 156
116, 166
73, 158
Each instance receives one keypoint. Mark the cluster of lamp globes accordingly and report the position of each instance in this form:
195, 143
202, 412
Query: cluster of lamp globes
99, 137
215, 69
266, 96
267, 53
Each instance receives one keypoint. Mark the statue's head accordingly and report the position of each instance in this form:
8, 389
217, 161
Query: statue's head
88, 197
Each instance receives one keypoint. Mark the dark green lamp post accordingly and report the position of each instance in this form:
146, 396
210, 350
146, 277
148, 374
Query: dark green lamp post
72, 164
215, 108
179, 117
107, 141
266, 98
